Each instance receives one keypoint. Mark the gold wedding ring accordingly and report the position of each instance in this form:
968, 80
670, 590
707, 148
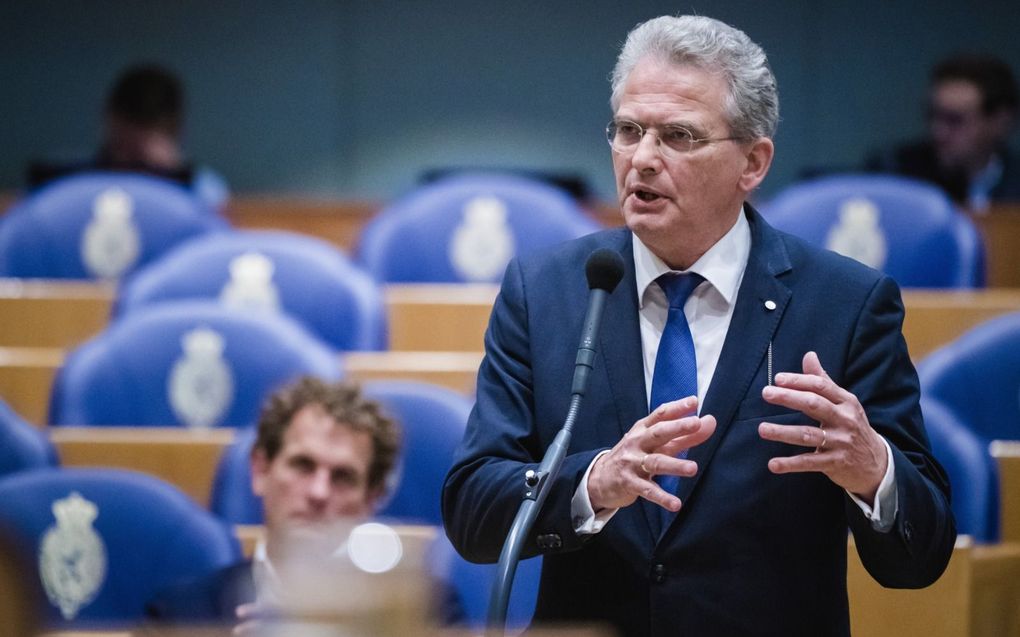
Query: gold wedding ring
643, 465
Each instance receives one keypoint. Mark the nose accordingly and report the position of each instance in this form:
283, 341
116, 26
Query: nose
319, 485
646, 157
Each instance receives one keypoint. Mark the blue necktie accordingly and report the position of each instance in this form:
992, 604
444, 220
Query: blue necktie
676, 367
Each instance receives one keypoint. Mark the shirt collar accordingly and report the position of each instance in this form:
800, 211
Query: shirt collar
722, 265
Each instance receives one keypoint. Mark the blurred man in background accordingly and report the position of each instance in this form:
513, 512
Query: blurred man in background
323, 453
143, 131
972, 109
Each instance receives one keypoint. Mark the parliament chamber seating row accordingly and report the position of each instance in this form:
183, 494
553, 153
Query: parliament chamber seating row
435, 334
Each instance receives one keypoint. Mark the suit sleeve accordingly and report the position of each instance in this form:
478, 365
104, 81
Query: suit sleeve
485, 486
914, 553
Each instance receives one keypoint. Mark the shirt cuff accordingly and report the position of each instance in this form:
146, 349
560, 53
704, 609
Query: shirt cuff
582, 515
883, 515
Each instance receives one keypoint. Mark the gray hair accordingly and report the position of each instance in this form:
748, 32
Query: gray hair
752, 103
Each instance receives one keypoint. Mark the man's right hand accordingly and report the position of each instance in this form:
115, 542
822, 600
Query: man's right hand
625, 473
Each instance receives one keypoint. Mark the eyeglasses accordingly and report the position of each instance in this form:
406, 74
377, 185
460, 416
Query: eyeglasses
625, 135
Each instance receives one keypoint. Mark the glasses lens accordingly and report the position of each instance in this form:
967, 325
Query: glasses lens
624, 135
677, 139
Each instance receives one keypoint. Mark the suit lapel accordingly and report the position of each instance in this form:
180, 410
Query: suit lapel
620, 341
751, 330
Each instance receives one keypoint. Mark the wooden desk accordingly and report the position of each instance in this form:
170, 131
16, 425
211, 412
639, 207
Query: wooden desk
1000, 230
977, 596
1007, 455
439, 317
26, 379
936, 317
52, 313
455, 370
183, 457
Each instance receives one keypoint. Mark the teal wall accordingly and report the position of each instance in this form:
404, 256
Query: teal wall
355, 99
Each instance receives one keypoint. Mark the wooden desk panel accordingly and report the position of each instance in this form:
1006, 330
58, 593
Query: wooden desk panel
934, 318
183, 457
439, 317
977, 596
1000, 230
52, 313
455, 370
26, 379
1007, 455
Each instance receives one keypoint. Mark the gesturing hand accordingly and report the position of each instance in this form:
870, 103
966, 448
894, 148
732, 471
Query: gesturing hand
847, 449
625, 473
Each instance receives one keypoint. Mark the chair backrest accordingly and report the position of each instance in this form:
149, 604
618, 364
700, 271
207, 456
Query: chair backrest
908, 229
106, 540
973, 473
99, 225
22, 446
977, 378
465, 228
433, 420
304, 277
472, 583
189, 363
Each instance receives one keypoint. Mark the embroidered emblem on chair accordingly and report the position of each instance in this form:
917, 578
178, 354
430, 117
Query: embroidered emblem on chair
858, 234
201, 386
251, 284
72, 557
483, 243
110, 244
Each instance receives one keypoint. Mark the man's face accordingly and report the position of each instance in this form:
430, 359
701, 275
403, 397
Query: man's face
319, 475
680, 206
963, 135
132, 144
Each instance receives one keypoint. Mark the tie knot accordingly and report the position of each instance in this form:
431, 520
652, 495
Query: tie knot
678, 287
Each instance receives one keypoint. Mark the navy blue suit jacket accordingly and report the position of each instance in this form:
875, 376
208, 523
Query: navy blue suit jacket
750, 552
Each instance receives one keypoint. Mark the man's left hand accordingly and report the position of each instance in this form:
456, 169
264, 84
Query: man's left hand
846, 448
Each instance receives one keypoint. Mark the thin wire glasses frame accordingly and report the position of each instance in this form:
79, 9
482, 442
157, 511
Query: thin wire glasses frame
624, 136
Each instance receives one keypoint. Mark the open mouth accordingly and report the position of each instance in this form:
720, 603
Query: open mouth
645, 195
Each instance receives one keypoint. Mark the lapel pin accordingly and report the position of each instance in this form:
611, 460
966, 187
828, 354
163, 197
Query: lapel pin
770, 305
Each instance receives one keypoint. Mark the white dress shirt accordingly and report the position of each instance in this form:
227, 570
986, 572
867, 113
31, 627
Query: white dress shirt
709, 310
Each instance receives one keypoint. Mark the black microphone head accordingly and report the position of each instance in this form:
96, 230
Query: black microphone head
604, 269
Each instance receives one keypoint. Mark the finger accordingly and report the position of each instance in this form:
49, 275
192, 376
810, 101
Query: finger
811, 364
660, 464
662, 433
705, 427
655, 494
802, 435
801, 463
807, 401
671, 411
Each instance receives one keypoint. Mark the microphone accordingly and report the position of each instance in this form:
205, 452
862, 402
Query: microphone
604, 270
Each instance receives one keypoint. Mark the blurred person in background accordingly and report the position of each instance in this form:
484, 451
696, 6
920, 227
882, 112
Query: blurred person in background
143, 131
972, 109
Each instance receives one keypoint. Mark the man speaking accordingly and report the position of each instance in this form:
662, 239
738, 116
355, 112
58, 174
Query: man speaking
752, 396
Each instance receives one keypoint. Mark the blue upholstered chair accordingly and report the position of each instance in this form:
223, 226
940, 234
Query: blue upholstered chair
304, 277
977, 378
433, 420
473, 586
466, 228
98, 226
106, 540
22, 446
908, 229
189, 363
973, 473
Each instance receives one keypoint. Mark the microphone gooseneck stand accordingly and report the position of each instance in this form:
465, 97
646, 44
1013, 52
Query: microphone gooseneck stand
604, 269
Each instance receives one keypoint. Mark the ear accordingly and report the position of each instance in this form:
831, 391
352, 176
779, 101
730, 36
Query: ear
259, 471
373, 498
759, 158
